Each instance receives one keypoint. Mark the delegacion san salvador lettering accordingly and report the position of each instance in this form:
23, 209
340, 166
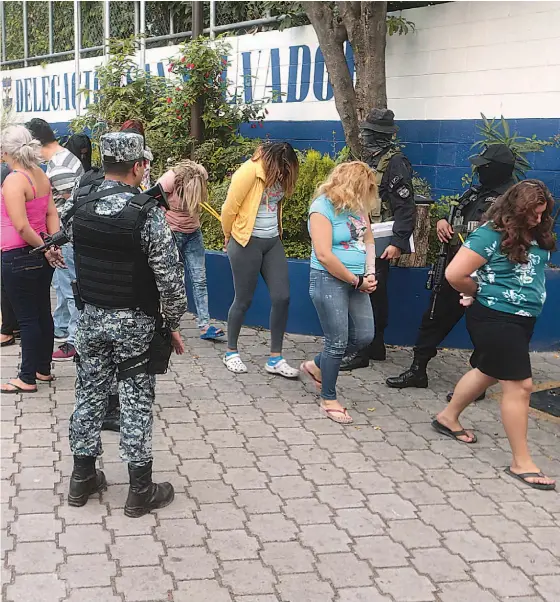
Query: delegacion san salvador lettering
306, 79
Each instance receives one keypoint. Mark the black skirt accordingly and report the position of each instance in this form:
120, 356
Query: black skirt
501, 342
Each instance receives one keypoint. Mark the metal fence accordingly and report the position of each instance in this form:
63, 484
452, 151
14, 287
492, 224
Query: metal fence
88, 26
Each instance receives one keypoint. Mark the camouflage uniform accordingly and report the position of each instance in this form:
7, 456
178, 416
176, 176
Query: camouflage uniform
107, 337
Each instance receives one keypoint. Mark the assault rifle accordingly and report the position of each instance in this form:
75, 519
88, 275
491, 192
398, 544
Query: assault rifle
53, 240
436, 275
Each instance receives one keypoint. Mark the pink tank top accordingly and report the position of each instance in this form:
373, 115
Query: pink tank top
36, 215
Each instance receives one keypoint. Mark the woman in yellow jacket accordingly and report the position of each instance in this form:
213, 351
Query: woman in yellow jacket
252, 225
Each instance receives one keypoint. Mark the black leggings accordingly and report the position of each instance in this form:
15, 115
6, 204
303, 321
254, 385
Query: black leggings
265, 256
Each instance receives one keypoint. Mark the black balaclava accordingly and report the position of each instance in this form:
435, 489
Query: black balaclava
80, 146
374, 145
493, 174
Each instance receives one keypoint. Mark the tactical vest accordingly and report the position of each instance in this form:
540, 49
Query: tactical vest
112, 270
382, 211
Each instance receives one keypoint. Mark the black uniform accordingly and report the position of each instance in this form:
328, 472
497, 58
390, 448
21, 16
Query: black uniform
448, 311
397, 196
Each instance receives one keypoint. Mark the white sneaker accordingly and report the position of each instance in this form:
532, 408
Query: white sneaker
282, 368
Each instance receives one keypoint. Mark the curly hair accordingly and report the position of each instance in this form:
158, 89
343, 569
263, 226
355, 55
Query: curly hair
281, 165
351, 187
514, 214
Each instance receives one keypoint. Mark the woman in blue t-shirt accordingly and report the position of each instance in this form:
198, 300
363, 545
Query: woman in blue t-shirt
342, 273
508, 253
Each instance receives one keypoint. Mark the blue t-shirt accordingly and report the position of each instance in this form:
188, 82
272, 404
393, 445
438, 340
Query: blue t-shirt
514, 288
348, 230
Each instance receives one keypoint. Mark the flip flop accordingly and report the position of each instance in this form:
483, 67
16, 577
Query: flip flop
16, 390
212, 334
443, 430
303, 368
523, 476
8, 342
50, 379
330, 413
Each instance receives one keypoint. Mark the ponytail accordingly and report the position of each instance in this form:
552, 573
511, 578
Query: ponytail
17, 142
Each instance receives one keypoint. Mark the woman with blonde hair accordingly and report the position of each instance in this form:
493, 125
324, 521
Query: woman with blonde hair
342, 274
252, 225
186, 186
27, 211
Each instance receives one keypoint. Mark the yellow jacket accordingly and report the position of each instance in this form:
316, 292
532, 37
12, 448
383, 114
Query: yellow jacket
242, 202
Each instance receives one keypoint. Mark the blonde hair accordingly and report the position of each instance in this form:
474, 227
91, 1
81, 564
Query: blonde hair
190, 186
280, 163
17, 142
351, 187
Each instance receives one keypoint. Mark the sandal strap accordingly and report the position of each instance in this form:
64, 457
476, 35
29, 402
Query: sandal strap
528, 475
344, 411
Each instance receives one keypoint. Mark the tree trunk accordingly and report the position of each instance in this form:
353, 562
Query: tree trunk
332, 35
421, 240
366, 24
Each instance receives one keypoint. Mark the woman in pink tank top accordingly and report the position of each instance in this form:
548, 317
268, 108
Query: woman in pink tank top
27, 210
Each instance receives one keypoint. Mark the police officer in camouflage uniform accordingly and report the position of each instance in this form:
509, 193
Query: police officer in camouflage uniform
394, 178
128, 270
494, 168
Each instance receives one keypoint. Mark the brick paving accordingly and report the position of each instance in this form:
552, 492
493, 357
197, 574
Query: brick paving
275, 503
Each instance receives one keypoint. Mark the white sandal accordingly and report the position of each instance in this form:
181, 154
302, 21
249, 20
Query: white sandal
283, 368
234, 364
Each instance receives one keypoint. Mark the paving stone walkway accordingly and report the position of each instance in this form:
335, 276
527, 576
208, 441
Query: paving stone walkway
276, 503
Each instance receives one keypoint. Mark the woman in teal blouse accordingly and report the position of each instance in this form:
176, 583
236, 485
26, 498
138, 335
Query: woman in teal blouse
508, 253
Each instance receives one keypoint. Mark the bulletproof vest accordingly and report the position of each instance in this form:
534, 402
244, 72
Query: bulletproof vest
111, 268
382, 212
467, 214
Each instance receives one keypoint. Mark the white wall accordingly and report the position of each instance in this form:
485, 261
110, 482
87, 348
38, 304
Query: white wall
463, 59
472, 57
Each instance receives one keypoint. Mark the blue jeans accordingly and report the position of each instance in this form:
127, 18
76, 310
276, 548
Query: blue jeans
346, 318
65, 298
27, 281
192, 248
61, 315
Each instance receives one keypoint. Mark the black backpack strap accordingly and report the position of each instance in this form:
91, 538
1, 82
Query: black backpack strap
83, 197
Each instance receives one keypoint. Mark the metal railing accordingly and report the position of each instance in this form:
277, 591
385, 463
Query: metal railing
213, 28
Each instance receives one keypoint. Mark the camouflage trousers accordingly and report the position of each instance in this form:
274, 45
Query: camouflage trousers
104, 339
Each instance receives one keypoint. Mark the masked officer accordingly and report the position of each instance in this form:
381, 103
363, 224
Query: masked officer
494, 168
394, 178
127, 267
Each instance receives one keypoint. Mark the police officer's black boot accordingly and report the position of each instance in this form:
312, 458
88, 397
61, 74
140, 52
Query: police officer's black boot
85, 480
415, 376
354, 361
112, 420
144, 495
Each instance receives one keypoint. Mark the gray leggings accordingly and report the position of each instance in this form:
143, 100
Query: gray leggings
265, 256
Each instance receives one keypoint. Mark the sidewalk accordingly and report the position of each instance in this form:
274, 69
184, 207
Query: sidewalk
276, 503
